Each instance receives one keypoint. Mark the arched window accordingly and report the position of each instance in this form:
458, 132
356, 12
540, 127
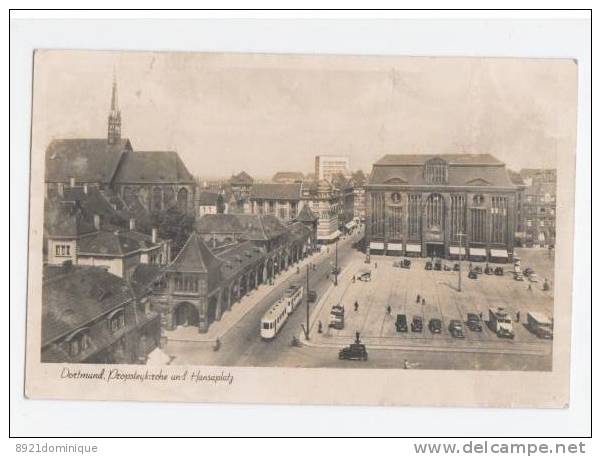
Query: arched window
434, 212
182, 199
157, 199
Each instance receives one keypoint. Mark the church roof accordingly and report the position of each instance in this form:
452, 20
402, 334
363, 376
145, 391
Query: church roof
196, 257
153, 167
90, 160
306, 215
451, 159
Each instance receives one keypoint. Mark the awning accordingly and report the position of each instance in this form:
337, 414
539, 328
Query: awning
456, 250
376, 245
498, 253
395, 246
414, 248
480, 252
330, 236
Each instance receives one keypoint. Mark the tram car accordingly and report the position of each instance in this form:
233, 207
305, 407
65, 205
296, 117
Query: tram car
293, 297
275, 317
273, 320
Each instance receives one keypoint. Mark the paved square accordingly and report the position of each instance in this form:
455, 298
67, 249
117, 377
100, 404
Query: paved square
399, 288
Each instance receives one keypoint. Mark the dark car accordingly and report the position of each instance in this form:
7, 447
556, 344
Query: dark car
435, 325
406, 264
456, 329
472, 275
355, 351
438, 265
446, 267
473, 322
337, 310
488, 270
528, 271
428, 265
401, 323
478, 270
456, 267
312, 296
417, 324
499, 271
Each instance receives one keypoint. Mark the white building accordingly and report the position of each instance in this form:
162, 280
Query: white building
327, 166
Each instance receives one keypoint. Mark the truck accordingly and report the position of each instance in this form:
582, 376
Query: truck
500, 323
540, 325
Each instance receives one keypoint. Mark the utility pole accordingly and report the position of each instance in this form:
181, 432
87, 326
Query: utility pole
307, 301
460, 235
336, 267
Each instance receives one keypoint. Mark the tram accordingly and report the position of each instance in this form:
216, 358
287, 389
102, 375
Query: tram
275, 317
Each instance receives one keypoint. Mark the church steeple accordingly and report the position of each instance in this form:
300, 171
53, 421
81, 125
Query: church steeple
114, 121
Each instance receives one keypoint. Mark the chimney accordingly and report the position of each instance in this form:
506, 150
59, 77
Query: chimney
154, 235
71, 182
132, 223
96, 221
85, 188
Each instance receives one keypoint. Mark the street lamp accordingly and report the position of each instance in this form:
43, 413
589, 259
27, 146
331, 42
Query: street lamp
336, 266
460, 235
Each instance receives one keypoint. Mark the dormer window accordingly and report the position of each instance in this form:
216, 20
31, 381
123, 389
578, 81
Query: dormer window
436, 171
78, 342
117, 320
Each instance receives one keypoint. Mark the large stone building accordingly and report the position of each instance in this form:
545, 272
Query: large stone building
327, 166
157, 180
442, 206
92, 316
202, 283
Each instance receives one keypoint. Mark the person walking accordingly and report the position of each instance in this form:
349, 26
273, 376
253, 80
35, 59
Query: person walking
517, 316
418, 299
319, 327
356, 305
423, 302
376, 265
389, 309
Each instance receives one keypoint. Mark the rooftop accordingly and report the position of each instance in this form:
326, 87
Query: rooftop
160, 167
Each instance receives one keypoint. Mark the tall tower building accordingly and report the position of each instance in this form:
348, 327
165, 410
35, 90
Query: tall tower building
114, 121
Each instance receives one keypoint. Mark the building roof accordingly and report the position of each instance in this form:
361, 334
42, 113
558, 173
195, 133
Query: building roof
306, 215
74, 296
261, 227
206, 198
241, 178
65, 220
143, 277
287, 176
114, 243
274, 191
219, 223
196, 257
85, 159
463, 170
451, 159
153, 167
238, 257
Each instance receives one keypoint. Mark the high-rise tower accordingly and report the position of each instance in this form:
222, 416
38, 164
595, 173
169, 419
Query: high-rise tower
114, 121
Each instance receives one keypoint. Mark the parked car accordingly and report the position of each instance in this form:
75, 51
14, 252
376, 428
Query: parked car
401, 323
472, 275
456, 328
540, 325
488, 270
355, 351
337, 310
499, 271
417, 324
312, 296
406, 264
438, 265
518, 276
428, 265
532, 277
365, 276
528, 271
456, 267
435, 325
477, 270
473, 322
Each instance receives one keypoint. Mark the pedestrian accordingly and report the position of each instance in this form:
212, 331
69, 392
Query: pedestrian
356, 305
517, 316
319, 327
376, 265
418, 299
480, 314
389, 310
530, 287
357, 335
423, 302
353, 279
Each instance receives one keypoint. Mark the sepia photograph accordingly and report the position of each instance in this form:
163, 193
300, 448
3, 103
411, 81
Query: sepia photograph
368, 214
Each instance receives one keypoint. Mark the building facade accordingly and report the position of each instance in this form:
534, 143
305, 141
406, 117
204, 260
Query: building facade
441, 206
539, 207
327, 166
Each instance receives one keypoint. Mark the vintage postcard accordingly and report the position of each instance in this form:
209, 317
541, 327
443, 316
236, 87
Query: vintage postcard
303, 229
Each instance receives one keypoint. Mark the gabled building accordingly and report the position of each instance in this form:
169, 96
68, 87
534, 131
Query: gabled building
441, 206
240, 185
92, 316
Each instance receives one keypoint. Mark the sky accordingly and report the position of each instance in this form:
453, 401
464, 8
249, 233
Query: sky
265, 113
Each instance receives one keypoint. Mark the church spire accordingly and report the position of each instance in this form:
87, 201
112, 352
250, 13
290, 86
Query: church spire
114, 120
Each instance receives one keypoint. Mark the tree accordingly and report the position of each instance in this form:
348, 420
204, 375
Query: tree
339, 181
174, 225
359, 178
